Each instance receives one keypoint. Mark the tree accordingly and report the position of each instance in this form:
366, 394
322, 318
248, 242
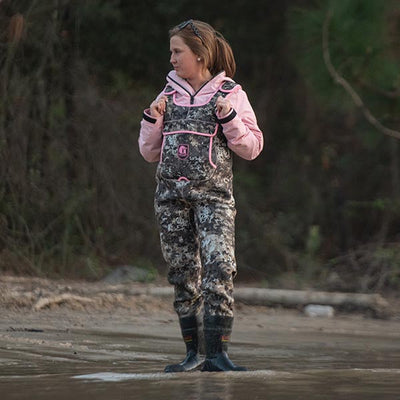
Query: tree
347, 53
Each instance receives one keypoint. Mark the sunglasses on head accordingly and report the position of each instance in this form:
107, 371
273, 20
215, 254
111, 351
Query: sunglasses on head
190, 23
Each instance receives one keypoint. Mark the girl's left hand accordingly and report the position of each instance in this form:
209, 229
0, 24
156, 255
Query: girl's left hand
223, 106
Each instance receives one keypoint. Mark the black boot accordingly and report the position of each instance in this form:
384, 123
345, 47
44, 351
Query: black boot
217, 331
191, 339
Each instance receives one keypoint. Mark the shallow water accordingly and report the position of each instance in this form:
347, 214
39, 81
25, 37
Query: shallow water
107, 365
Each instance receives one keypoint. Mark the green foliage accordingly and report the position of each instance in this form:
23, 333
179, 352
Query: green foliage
361, 45
313, 243
148, 265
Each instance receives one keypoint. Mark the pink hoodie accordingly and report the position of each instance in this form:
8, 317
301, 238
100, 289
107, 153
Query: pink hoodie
242, 132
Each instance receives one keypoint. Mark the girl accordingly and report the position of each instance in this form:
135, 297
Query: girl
191, 130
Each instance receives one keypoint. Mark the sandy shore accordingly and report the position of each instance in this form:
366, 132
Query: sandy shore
30, 306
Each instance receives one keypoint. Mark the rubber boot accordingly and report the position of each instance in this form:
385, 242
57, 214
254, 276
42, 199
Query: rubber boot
190, 337
217, 331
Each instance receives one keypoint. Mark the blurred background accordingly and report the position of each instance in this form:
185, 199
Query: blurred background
319, 208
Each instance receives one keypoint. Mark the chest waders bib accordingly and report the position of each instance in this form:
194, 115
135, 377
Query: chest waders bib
195, 210
193, 143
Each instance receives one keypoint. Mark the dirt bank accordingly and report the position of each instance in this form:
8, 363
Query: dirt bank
30, 304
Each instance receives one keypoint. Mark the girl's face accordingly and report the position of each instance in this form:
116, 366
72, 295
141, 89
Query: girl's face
183, 59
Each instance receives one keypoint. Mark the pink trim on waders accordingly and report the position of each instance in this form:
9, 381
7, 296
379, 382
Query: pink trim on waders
173, 91
235, 88
162, 148
210, 135
210, 153
193, 132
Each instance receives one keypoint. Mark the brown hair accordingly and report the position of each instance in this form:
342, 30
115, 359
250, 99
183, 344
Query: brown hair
208, 44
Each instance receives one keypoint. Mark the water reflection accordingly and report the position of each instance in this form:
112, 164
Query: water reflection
202, 387
108, 366
193, 386
218, 389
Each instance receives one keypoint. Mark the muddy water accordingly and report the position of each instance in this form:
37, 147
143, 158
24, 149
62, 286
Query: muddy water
285, 364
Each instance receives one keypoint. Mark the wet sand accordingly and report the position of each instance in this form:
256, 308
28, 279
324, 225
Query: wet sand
118, 350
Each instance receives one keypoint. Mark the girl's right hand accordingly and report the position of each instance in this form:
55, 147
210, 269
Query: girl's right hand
157, 107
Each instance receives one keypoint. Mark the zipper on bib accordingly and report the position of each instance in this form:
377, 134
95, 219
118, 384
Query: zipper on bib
192, 96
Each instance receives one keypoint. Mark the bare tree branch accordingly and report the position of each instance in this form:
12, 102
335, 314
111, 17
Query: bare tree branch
346, 85
390, 94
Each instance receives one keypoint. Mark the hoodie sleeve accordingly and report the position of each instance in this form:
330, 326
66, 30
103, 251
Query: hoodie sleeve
240, 127
150, 136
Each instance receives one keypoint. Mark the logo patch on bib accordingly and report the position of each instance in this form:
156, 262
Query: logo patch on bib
183, 151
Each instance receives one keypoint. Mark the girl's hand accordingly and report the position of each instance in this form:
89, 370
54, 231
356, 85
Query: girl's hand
157, 107
223, 106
